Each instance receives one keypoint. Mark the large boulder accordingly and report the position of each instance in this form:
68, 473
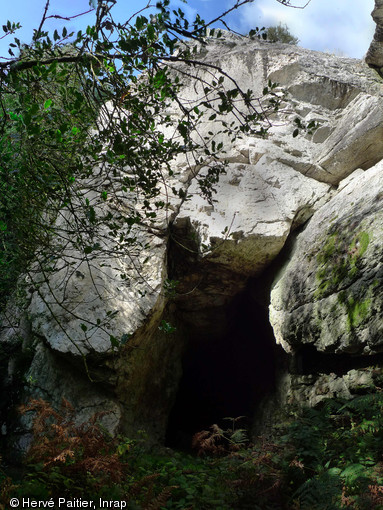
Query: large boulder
329, 294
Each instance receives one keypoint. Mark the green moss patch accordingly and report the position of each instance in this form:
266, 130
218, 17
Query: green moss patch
339, 259
357, 311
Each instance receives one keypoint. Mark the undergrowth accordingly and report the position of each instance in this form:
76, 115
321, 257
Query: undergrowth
324, 459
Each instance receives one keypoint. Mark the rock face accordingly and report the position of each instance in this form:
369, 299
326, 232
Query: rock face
328, 295
374, 55
273, 185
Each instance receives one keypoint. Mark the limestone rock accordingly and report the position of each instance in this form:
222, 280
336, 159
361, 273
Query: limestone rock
255, 208
53, 379
273, 184
311, 390
97, 299
330, 292
374, 55
358, 147
81, 301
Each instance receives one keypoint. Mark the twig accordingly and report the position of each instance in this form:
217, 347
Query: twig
37, 35
68, 18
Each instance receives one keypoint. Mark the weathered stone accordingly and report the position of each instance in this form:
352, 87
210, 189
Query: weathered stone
245, 229
263, 196
311, 390
53, 379
374, 55
359, 147
330, 294
84, 300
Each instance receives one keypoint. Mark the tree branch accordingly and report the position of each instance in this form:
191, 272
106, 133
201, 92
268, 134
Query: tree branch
288, 4
38, 32
68, 18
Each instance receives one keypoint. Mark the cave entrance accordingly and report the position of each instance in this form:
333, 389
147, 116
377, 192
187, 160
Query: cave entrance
227, 370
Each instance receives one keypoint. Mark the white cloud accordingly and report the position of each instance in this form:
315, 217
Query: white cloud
342, 26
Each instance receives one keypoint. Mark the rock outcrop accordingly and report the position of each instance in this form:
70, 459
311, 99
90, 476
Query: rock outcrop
273, 185
374, 55
328, 295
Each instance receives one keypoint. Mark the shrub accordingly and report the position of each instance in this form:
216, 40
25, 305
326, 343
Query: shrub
281, 33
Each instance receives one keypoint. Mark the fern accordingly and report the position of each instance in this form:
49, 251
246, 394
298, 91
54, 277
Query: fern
330, 458
78, 450
217, 441
364, 405
161, 500
324, 492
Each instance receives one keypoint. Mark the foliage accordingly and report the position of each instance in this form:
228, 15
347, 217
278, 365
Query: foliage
217, 441
338, 450
280, 33
63, 449
88, 142
70, 460
327, 458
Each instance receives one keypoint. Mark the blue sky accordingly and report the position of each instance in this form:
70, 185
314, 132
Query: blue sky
340, 26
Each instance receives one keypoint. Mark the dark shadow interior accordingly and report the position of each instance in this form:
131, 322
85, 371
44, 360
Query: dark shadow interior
310, 361
224, 375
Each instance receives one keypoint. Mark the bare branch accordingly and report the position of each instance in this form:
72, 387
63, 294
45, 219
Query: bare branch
288, 4
38, 32
68, 18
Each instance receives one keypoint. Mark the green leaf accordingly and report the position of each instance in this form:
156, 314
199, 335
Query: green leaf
114, 342
353, 472
166, 327
34, 109
92, 214
59, 137
140, 22
183, 129
151, 32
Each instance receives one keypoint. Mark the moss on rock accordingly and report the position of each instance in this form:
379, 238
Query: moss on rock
338, 260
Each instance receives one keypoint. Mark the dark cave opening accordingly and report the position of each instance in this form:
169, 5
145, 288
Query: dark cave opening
308, 360
226, 372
